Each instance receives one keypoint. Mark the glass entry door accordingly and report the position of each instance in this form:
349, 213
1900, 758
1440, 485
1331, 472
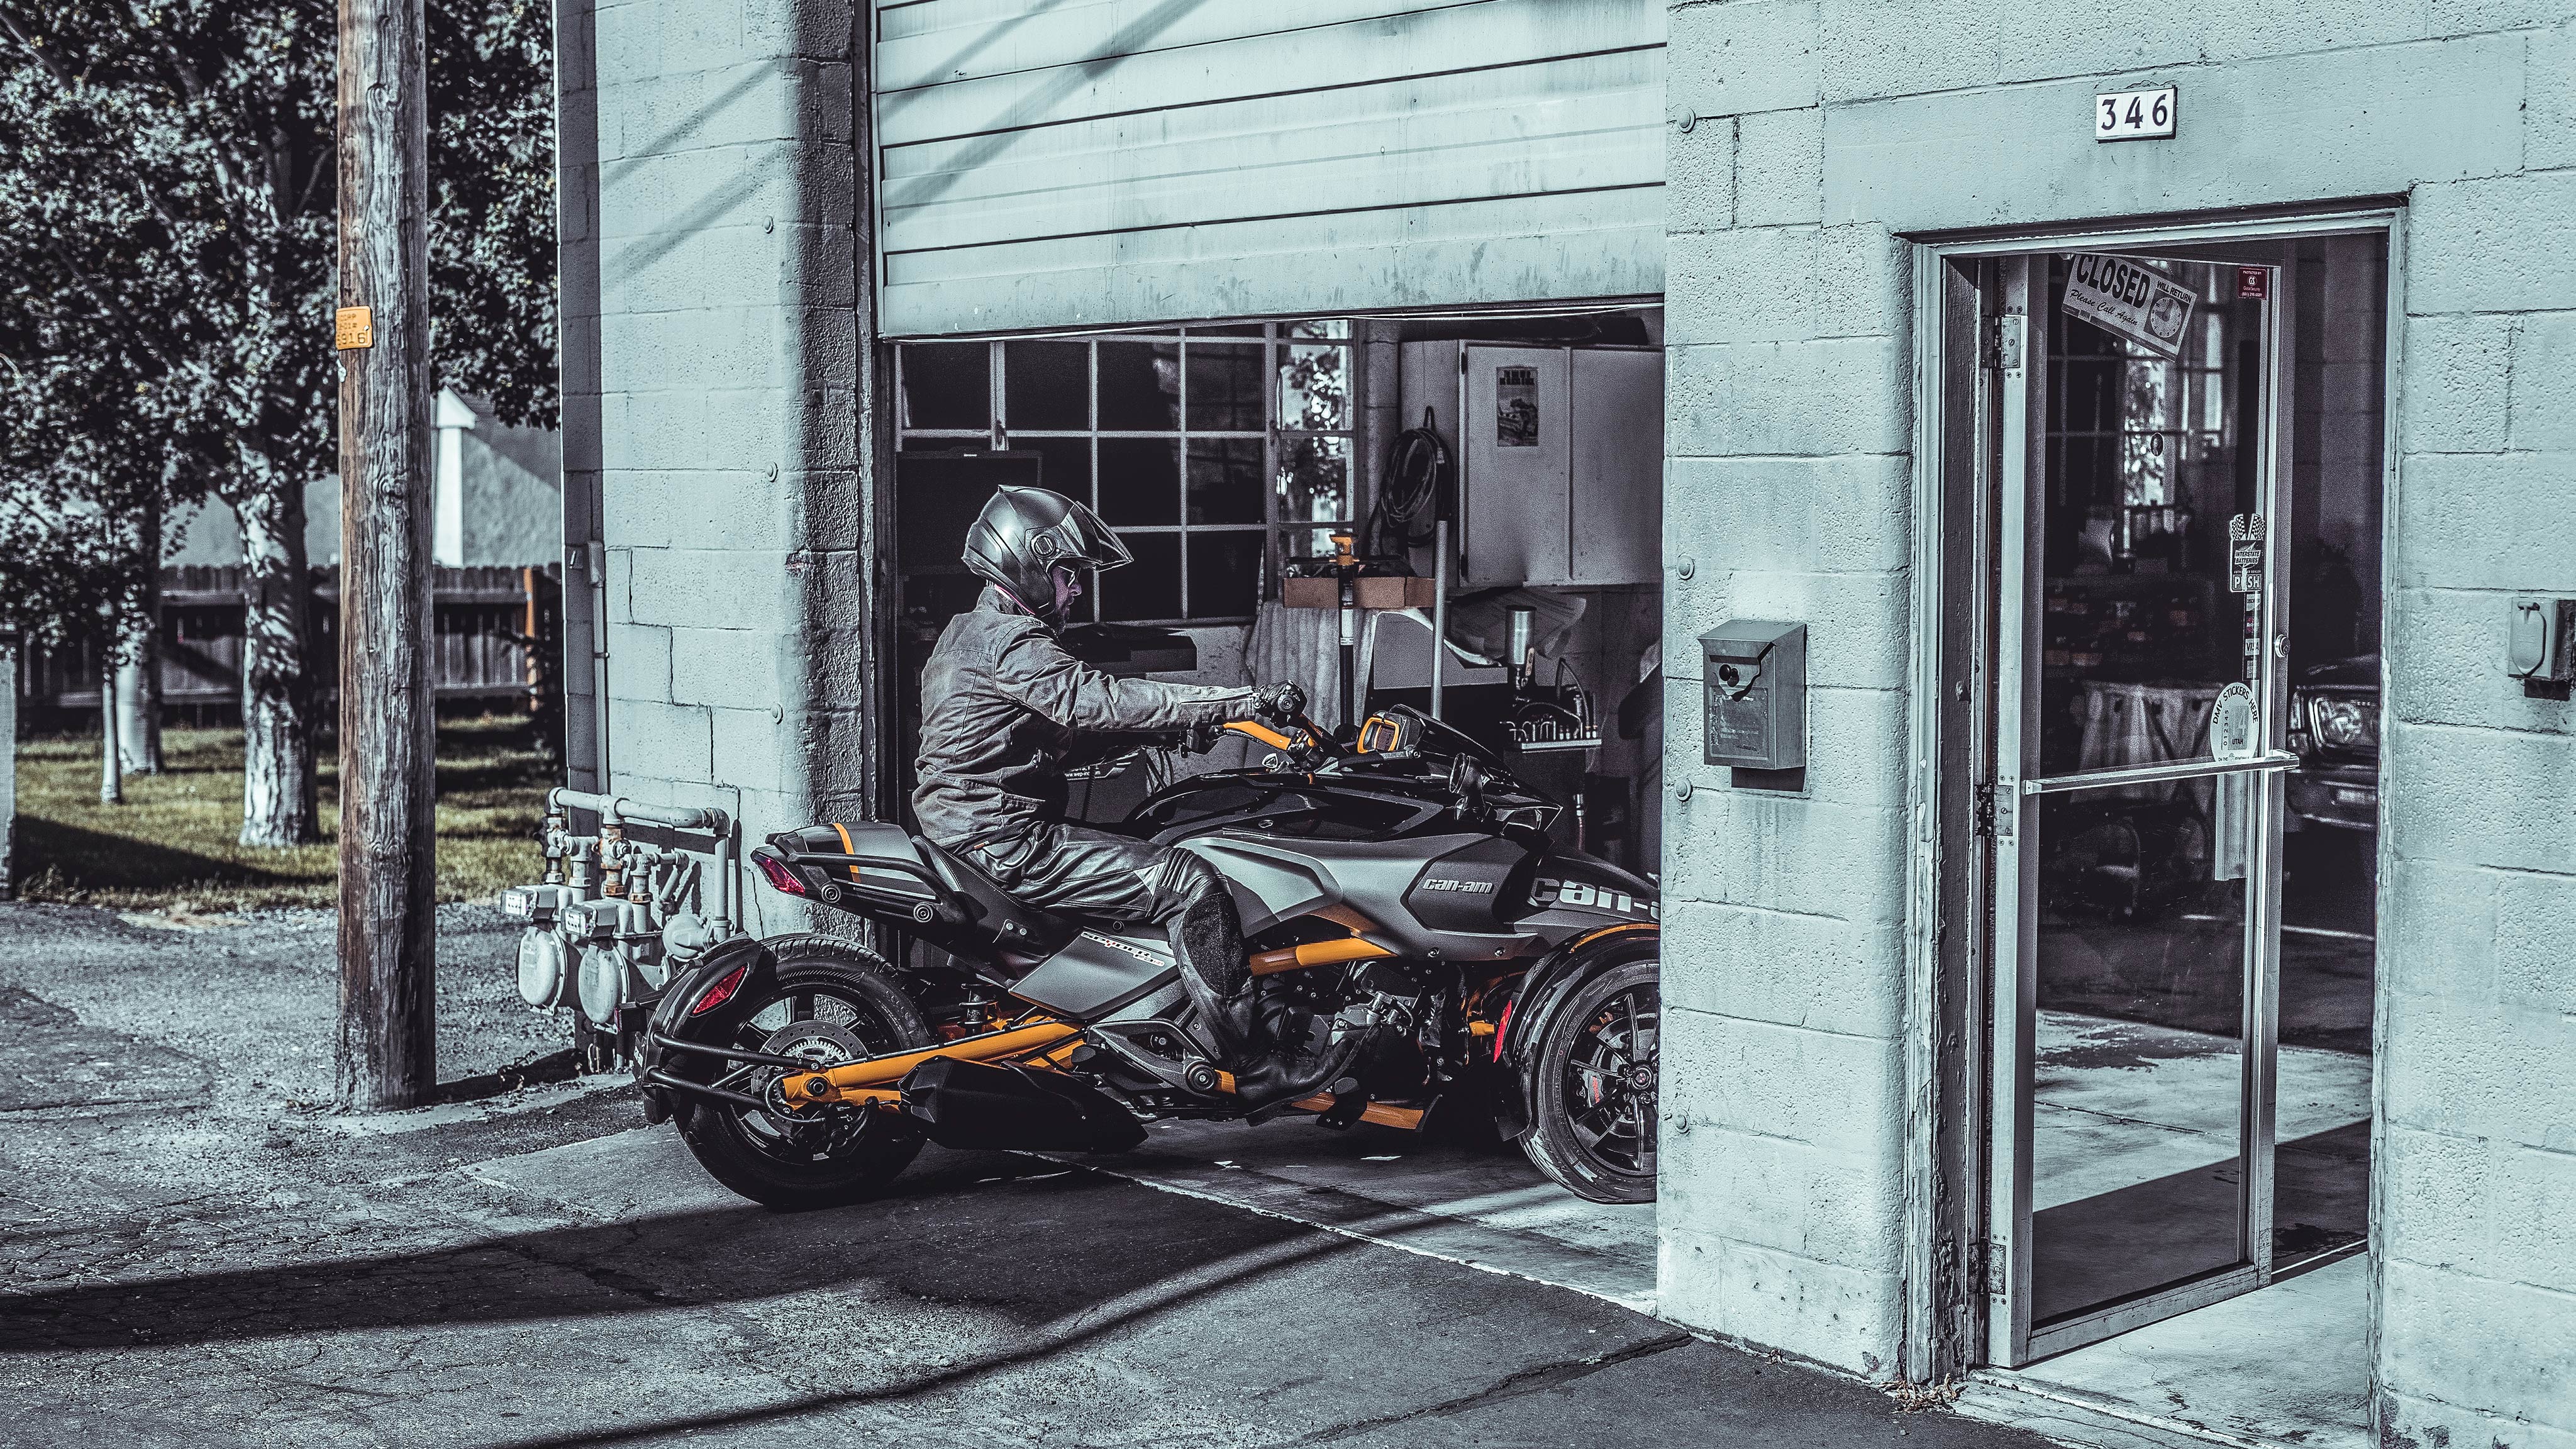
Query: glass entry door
2137, 725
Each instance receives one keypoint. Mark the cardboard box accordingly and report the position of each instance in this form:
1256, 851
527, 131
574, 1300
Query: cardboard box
1375, 592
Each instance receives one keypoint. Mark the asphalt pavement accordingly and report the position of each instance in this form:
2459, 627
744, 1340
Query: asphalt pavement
195, 1251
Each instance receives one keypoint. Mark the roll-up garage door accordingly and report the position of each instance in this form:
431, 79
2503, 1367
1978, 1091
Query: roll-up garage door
1110, 162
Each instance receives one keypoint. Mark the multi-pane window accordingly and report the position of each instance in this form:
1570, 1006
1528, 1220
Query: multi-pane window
1216, 452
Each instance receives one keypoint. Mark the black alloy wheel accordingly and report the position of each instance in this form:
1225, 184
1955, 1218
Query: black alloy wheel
1593, 1075
827, 1002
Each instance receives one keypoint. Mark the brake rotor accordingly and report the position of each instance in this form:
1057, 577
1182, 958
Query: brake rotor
809, 1040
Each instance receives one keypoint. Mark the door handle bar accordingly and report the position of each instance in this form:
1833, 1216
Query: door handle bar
2157, 774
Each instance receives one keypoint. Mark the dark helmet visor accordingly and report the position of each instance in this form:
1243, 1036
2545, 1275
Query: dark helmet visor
1080, 540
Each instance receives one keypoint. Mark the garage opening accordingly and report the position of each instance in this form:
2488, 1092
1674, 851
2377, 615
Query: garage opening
2176, 486
1490, 487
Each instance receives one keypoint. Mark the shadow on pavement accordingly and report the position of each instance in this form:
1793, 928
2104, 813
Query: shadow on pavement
937, 1239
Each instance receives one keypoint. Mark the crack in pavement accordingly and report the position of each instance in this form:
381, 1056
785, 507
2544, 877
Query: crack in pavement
1536, 1379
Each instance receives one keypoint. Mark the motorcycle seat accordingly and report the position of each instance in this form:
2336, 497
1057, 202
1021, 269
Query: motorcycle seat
997, 912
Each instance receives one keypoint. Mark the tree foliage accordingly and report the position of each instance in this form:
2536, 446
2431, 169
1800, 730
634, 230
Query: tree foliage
167, 172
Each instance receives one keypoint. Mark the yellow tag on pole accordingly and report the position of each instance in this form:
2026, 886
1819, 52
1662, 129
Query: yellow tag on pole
353, 327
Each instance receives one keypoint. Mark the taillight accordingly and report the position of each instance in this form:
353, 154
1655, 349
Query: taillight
722, 992
785, 881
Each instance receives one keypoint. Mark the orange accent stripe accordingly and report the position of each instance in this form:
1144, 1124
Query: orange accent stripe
1035, 1039
846, 847
1588, 937
1408, 1118
1316, 953
1262, 733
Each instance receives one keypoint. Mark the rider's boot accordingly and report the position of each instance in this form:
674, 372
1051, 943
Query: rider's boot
1251, 1044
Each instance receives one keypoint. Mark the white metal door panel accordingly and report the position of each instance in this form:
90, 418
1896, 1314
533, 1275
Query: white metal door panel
1616, 498
1515, 479
1134, 161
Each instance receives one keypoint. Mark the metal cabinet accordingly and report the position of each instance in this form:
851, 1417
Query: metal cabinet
1560, 458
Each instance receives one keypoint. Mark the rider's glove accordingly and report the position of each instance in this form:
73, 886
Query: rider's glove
1280, 703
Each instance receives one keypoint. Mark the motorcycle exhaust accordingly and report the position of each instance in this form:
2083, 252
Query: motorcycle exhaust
977, 1106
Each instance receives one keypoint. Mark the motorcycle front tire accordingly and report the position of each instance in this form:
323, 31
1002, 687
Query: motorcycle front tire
749, 1152
1598, 1149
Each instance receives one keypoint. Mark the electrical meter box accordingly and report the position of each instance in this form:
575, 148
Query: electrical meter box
1756, 688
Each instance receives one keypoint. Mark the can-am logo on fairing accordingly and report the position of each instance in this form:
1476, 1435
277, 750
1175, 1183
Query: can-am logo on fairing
1592, 897
1464, 887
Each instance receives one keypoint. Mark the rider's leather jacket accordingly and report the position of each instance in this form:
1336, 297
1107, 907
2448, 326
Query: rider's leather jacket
1001, 703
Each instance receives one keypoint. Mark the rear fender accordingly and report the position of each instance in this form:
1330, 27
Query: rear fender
1543, 994
676, 1017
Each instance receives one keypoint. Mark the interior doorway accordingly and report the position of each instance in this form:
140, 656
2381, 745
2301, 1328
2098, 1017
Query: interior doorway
2169, 454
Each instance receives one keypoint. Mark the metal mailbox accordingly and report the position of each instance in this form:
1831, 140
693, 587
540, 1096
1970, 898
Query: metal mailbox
1755, 683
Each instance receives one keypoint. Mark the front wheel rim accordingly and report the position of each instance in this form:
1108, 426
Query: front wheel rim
1610, 1081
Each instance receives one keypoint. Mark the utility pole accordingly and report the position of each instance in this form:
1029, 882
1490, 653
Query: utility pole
387, 1052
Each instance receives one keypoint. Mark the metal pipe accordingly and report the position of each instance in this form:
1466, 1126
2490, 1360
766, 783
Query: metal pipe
1439, 608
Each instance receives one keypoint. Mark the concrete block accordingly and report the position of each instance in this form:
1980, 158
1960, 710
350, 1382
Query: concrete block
1766, 965
2468, 17
2436, 1199
2478, 797
1906, 47
661, 741
1808, 857
2508, 1350
1748, 284
729, 509
678, 194
2535, 944
1849, 514
2544, 383
1810, 1202
1851, 1318
736, 669
1779, 167
2533, 1191
2438, 923
1864, 283
2239, 28
2049, 40
742, 265
2407, 1419
1842, 1093
2474, 1069
712, 588
2252, 135
2447, 649
1699, 175
2493, 243
715, 427
655, 351
620, 563
2549, 112
1838, 395
757, 749
639, 662
820, 29
2484, 520
1750, 55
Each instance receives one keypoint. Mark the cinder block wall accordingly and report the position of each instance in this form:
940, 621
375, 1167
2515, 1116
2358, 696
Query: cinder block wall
1806, 136
725, 439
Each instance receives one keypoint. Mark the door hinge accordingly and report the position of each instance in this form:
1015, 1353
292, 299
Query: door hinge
1997, 1267
2003, 341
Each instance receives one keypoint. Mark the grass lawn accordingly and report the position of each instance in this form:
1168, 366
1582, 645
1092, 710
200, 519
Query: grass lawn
174, 839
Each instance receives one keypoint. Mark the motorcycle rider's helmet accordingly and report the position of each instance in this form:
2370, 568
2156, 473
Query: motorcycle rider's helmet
1031, 543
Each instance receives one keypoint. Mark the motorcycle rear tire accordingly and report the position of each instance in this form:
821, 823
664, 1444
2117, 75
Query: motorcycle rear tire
1555, 1144
749, 1159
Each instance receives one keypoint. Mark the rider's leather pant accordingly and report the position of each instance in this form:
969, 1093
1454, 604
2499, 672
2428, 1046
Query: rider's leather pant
1090, 873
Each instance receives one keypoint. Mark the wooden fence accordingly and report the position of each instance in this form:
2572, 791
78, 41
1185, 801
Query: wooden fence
486, 620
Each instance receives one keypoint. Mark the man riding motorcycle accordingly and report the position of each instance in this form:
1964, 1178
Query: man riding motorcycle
1001, 704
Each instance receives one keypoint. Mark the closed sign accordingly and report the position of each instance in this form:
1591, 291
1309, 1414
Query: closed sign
2136, 115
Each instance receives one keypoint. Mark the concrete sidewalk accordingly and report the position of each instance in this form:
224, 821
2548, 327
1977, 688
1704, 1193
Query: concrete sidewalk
223, 1266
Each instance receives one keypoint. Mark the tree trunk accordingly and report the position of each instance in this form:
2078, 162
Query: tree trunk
278, 783
138, 672
111, 769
